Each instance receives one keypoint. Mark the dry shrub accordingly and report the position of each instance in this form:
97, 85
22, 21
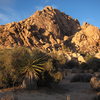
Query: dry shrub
13, 61
60, 57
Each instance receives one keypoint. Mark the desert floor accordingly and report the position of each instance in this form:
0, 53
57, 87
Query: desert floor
75, 90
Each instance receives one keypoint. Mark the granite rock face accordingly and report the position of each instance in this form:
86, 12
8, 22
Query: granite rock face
48, 26
87, 39
50, 29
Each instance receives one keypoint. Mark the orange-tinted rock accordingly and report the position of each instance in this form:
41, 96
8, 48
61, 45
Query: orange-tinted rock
87, 39
50, 26
46, 26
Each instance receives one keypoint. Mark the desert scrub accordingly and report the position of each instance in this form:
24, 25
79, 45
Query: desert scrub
88, 57
60, 57
11, 60
34, 69
22, 65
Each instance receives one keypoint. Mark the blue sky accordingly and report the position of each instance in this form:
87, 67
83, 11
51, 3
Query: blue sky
83, 10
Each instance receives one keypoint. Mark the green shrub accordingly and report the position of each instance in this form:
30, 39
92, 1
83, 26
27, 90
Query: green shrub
88, 57
17, 63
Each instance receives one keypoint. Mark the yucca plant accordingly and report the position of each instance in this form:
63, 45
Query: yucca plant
21, 63
34, 69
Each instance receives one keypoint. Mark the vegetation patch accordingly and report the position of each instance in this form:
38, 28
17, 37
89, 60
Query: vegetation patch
27, 67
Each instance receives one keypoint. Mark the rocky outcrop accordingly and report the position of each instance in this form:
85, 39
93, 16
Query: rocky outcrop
50, 29
47, 28
87, 40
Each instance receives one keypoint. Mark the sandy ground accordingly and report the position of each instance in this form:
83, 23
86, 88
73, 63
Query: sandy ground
76, 91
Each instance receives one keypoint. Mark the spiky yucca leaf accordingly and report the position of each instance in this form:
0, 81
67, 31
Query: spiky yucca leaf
36, 66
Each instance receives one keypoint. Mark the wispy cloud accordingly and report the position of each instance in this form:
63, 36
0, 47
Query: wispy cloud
7, 13
39, 7
87, 19
6, 2
3, 18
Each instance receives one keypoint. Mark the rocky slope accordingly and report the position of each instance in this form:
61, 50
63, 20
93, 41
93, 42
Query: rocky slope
45, 28
50, 29
87, 39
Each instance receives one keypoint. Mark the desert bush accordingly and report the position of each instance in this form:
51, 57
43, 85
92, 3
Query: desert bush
57, 76
87, 57
18, 64
83, 77
11, 60
95, 83
34, 69
52, 75
60, 57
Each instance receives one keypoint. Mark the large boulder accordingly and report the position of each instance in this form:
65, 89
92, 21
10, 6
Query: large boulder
95, 83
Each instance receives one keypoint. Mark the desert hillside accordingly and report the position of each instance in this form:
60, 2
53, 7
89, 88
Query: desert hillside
52, 55
50, 29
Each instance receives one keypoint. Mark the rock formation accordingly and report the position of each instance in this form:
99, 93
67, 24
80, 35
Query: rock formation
51, 30
87, 39
45, 28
